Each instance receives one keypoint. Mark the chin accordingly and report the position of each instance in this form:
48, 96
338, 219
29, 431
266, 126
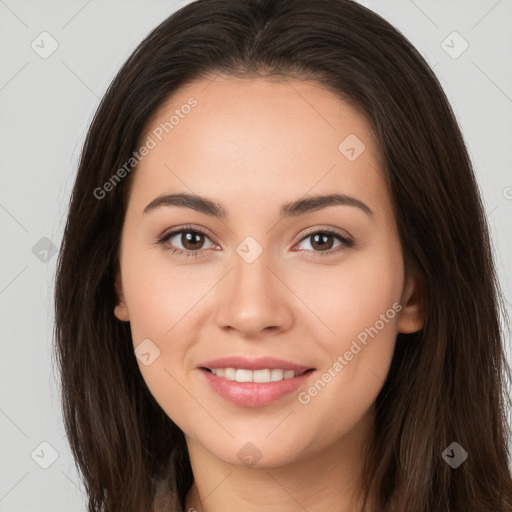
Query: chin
256, 451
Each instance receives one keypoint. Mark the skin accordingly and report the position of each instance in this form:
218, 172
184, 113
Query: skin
252, 145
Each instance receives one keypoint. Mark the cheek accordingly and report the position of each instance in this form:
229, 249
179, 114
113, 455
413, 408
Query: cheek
161, 301
353, 296
358, 304
160, 293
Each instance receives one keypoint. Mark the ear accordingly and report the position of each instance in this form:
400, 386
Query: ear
411, 317
121, 310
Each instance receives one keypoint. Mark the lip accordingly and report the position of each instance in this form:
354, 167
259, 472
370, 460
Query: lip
254, 394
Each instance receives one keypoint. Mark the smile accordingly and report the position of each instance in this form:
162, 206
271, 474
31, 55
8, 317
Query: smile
245, 390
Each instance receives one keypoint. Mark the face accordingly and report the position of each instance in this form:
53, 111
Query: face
236, 273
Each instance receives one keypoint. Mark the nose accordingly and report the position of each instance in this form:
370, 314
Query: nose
253, 299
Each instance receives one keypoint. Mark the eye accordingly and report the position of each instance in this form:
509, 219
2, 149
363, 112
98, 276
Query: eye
191, 241
322, 241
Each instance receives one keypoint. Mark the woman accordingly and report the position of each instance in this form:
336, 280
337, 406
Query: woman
276, 289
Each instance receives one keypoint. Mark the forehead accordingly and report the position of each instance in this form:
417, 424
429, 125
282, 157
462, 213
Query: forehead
289, 108
277, 136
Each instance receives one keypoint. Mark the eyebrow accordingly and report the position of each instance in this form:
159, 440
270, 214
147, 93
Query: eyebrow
292, 209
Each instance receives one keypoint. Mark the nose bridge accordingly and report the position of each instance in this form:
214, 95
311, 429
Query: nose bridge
254, 297
251, 274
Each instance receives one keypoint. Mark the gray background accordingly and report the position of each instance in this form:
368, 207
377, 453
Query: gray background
46, 105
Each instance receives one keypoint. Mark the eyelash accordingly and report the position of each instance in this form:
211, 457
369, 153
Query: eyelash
346, 242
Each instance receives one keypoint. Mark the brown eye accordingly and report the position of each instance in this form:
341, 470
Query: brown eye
323, 241
186, 240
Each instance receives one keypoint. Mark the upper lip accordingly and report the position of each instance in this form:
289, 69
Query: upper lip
259, 363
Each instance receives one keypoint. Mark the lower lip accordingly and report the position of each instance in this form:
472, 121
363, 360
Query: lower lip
254, 394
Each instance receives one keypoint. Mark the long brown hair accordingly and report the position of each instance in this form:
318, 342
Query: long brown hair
447, 382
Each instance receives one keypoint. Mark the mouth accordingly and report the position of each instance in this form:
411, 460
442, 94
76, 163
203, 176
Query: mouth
254, 382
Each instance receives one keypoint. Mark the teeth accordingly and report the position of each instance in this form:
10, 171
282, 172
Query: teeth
244, 375
262, 376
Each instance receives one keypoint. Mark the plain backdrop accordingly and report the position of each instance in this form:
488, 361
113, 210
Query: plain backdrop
46, 105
